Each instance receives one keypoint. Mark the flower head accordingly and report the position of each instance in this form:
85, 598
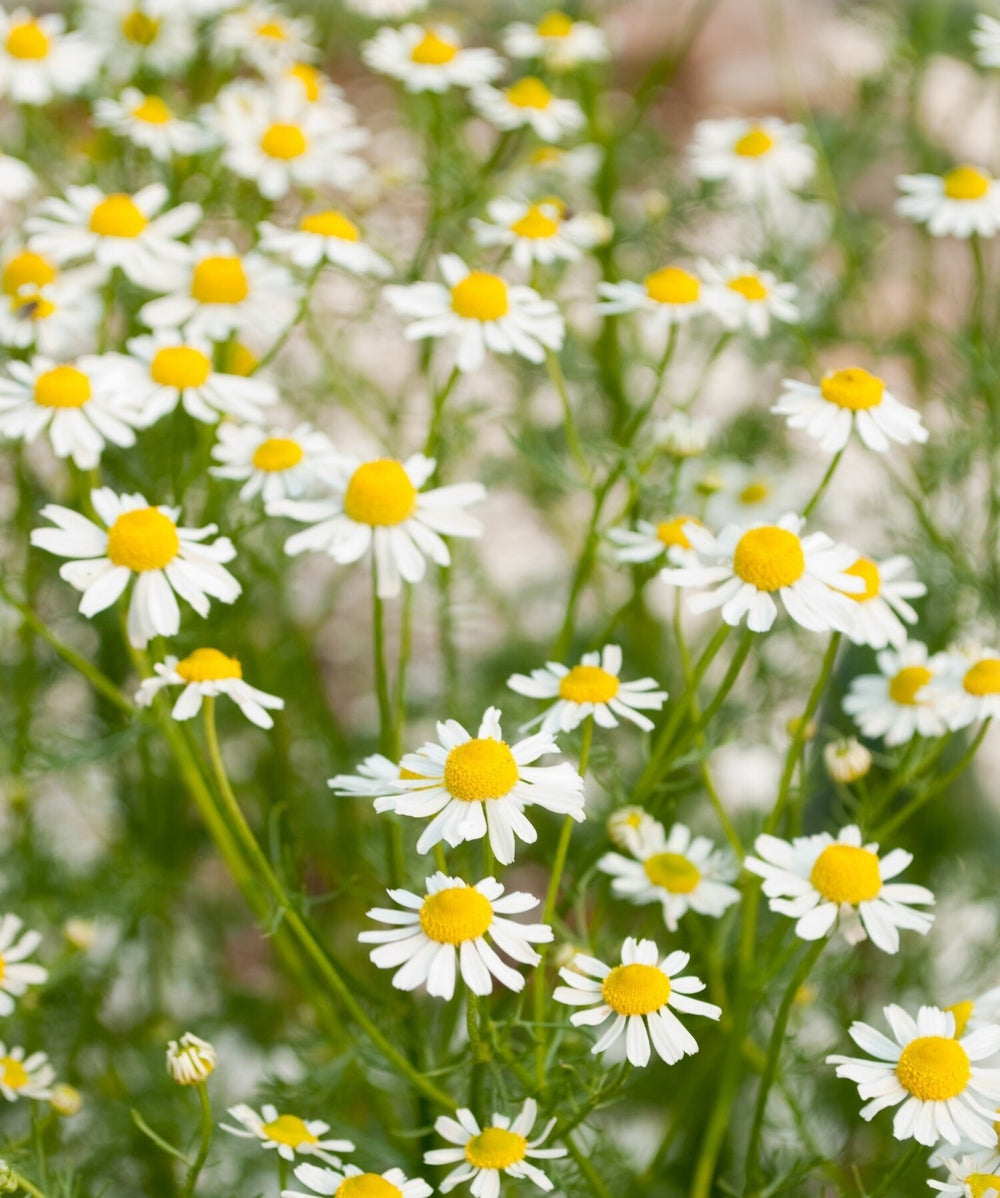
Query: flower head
272, 463
964, 201
882, 610
648, 541
430, 58
969, 685
348, 1181
25, 1076
757, 158
528, 103
39, 59
540, 231
206, 673
559, 41
750, 298
190, 1060
899, 703
324, 236
670, 295
846, 760
16, 973
291, 1136
149, 122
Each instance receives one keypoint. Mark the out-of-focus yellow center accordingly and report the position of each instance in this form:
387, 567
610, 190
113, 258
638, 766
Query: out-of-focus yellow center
529, 92
636, 989
934, 1068
671, 285
479, 770
853, 388
219, 279
380, 493
755, 143
180, 366
330, 224
142, 540
769, 558
367, 1185
588, 684
983, 678
209, 665
749, 286
480, 296
554, 24
27, 39
153, 111
755, 492
455, 915
433, 50
27, 269
273, 30
284, 141
673, 871
13, 1073
117, 216
966, 183
289, 1129
276, 454
963, 1013
865, 569
139, 27
62, 387
671, 532
535, 225
309, 77
905, 687
496, 1148
845, 873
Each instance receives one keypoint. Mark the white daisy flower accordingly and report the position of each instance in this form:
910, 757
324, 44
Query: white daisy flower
378, 506
930, 1074
637, 996
741, 493
148, 121
17, 974
648, 541
17, 179
166, 368
898, 703
484, 1153
973, 1013
847, 400
970, 1176
479, 786
628, 826
264, 37
25, 1077
749, 568
351, 1181
39, 59
58, 319
592, 688
538, 232
207, 673
681, 872
986, 39
73, 402
430, 58
481, 311
315, 87
846, 760
764, 158
145, 541
115, 230
559, 41
969, 685
824, 882
964, 201
749, 297
528, 103
290, 1135
671, 295
551, 164
447, 929
882, 609
26, 270
375, 776
325, 236
223, 293
140, 35
272, 463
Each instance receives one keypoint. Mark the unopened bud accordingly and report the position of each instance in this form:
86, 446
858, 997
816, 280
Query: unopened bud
804, 729
190, 1060
80, 933
846, 760
625, 824
683, 436
9, 1183
66, 1100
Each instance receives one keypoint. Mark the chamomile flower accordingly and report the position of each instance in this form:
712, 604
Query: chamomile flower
190, 1060
115, 230
528, 103
25, 1077
149, 122
882, 609
930, 1074
481, 311
627, 827
741, 493
264, 37
559, 41
446, 930
351, 1180
969, 686
224, 292
970, 1176
272, 463
824, 883
323, 236
73, 402
846, 760
430, 58
848, 400
39, 59
964, 201
483, 1154
17, 179
749, 297
748, 569
17, 974
682, 435
378, 506
898, 703
538, 232
205, 674
291, 1135
758, 159
475, 786
592, 688
140, 540
986, 39
680, 871
647, 541
974, 1013
670, 295
57, 318
147, 35
552, 164
375, 776
640, 996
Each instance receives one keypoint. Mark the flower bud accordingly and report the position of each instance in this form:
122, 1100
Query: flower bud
66, 1100
80, 934
9, 1183
682, 436
795, 727
625, 824
190, 1060
710, 483
846, 760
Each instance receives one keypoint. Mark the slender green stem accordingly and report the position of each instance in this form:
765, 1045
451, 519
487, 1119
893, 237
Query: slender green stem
824, 482
569, 419
587, 1170
204, 1143
885, 1187
300, 311
282, 1175
437, 412
385, 708
29, 1187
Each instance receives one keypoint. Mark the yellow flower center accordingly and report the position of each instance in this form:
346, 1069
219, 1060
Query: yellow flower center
32, 307
27, 39
671, 532
432, 50
982, 1185
769, 558
287, 1129
844, 873
277, 453
273, 30
672, 871
3, 968
963, 1013
535, 225
219, 279
905, 687
636, 989
238, 359
180, 366
143, 540
284, 141
480, 769
865, 569
309, 77
671, 285
480, 296
330, 224
934, 1068
554, 24
983, 678
588, 684
380, 493
966, 183
496, 1148
117, 216
529, 92
153, 111
749, 286
452, 916
140, 27
754, 493
755, 143
27, 269
853, 388
209, 665
62, 387
13, 1073
367, 1185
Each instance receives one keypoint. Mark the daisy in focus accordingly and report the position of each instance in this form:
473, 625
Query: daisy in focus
933, 1076
25, 1076
326, 236
145, 542
749, 568
430, 58
847, 400
758, 159
639, 996
205, 674
559, 41
17, 974
476, 786
290, 1135
391, 1184
378, 506
148, 122
898, 703
970, 685
671, 295
749, 297
824, 882
647, 542
960, 203
445, 931
481, 312
680, 871
528, 103
592, 688
482, 1154
538, 232
272, 463
39, 59
883, 609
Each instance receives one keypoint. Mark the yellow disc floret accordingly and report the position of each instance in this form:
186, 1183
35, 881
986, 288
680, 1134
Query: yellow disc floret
529, 92
367, 1185
330, 224
309, 77
982, 1185
671, 285
636, 989
673, 872
153, 111
142, 540
966, 183
480, 296
588, 684
208, 665
13, 1074
853, 388
480, 769
380, 493
983, 678
749, 286
219, 279
934, 1068
755, 143
27, 39
496, 1148
535, 225
754, 493
963, 1013
906, 685
769, 558
277, 453
62, 387
554, 24
139, 27
117, 216
272, 30
284, 141
433, 50
671, 532
865, 569
27, 269
455, 915
180, 366
290, 1130
845, 873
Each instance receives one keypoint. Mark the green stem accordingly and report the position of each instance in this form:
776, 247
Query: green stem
29, 1187
884, 1188
437, 411
569, 420
205, 1142
385, 711
289, 328
824, 482
587, 1170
